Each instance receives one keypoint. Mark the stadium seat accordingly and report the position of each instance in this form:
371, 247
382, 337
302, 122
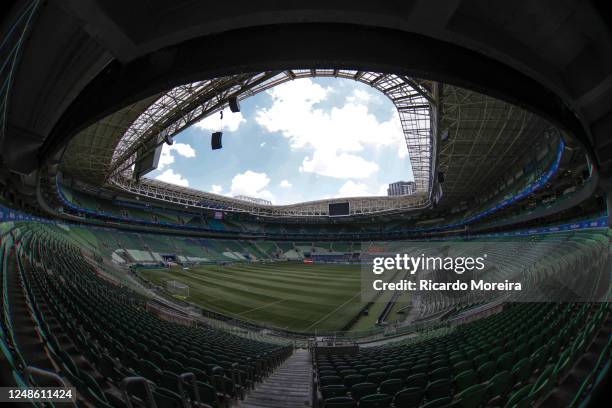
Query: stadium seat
409, 397
391, 386
438, 403
486, 371
376, 377
359, 391
400, 373
520, 398
330, 380
332, 391
505, 361
353, 379
462, 366
521, 371
416, 380
438, 389
375, 401
499, 385
465, 379
473, 396
439, 373
340, 402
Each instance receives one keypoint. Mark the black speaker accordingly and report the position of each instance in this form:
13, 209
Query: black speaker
215, 140
233, 104
440, 177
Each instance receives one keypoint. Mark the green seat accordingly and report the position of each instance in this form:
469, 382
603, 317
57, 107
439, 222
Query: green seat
400, 373
521, 398
377, 377
545, 382
416, 380
486, 371
473, 396
409, 397
340, 402
165, 398
539, 357
330, 380
359, 391
353, 379
462, 366
332, 391
505, 361
438, 389
499, 385
348, 371
480, 360
465, 379
149, 371
391, 386
438, 403
169, 380
440, 373
376, 401
521, 371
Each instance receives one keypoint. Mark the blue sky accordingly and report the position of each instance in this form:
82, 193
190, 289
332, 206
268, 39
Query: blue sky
304, 140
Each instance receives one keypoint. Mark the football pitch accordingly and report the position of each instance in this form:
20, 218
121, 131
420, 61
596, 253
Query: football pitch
287, 295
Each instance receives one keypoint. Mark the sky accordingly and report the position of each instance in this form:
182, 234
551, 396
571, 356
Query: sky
307, 139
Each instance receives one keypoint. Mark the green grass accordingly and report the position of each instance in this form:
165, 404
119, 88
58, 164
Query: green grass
288, 295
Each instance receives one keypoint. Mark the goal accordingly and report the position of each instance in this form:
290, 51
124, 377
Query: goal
177, 289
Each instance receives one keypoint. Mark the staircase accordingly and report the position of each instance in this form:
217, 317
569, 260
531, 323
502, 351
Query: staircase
288, 387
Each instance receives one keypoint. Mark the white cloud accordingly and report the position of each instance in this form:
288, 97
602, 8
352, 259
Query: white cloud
217, 189
353, 189
359, 95
167, 153
334, 136
382, 190
169, 176
231, 121
359, 189
262, 144
285, 184
343, 165
251, 184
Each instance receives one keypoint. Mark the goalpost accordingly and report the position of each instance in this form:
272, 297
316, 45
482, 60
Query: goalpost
177, 289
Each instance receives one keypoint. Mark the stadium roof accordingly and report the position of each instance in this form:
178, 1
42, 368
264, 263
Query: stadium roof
470, 138
125, 133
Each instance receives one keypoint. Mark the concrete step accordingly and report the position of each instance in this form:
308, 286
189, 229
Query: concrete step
288, 387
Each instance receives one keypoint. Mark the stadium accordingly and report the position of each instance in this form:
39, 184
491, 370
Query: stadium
327, 204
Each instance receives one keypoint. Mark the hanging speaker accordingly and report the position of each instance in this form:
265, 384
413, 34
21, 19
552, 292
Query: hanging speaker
440, 177
233, 104
215, 140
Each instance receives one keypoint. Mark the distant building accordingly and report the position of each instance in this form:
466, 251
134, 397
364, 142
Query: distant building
400, 188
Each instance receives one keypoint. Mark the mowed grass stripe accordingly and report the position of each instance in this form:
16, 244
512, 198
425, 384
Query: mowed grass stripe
261, 280
295, 274
294, 299
296, 287
267, 287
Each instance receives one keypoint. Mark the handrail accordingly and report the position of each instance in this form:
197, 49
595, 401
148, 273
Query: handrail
31, 371
186, 378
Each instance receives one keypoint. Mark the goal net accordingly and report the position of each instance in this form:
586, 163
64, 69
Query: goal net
177, 289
